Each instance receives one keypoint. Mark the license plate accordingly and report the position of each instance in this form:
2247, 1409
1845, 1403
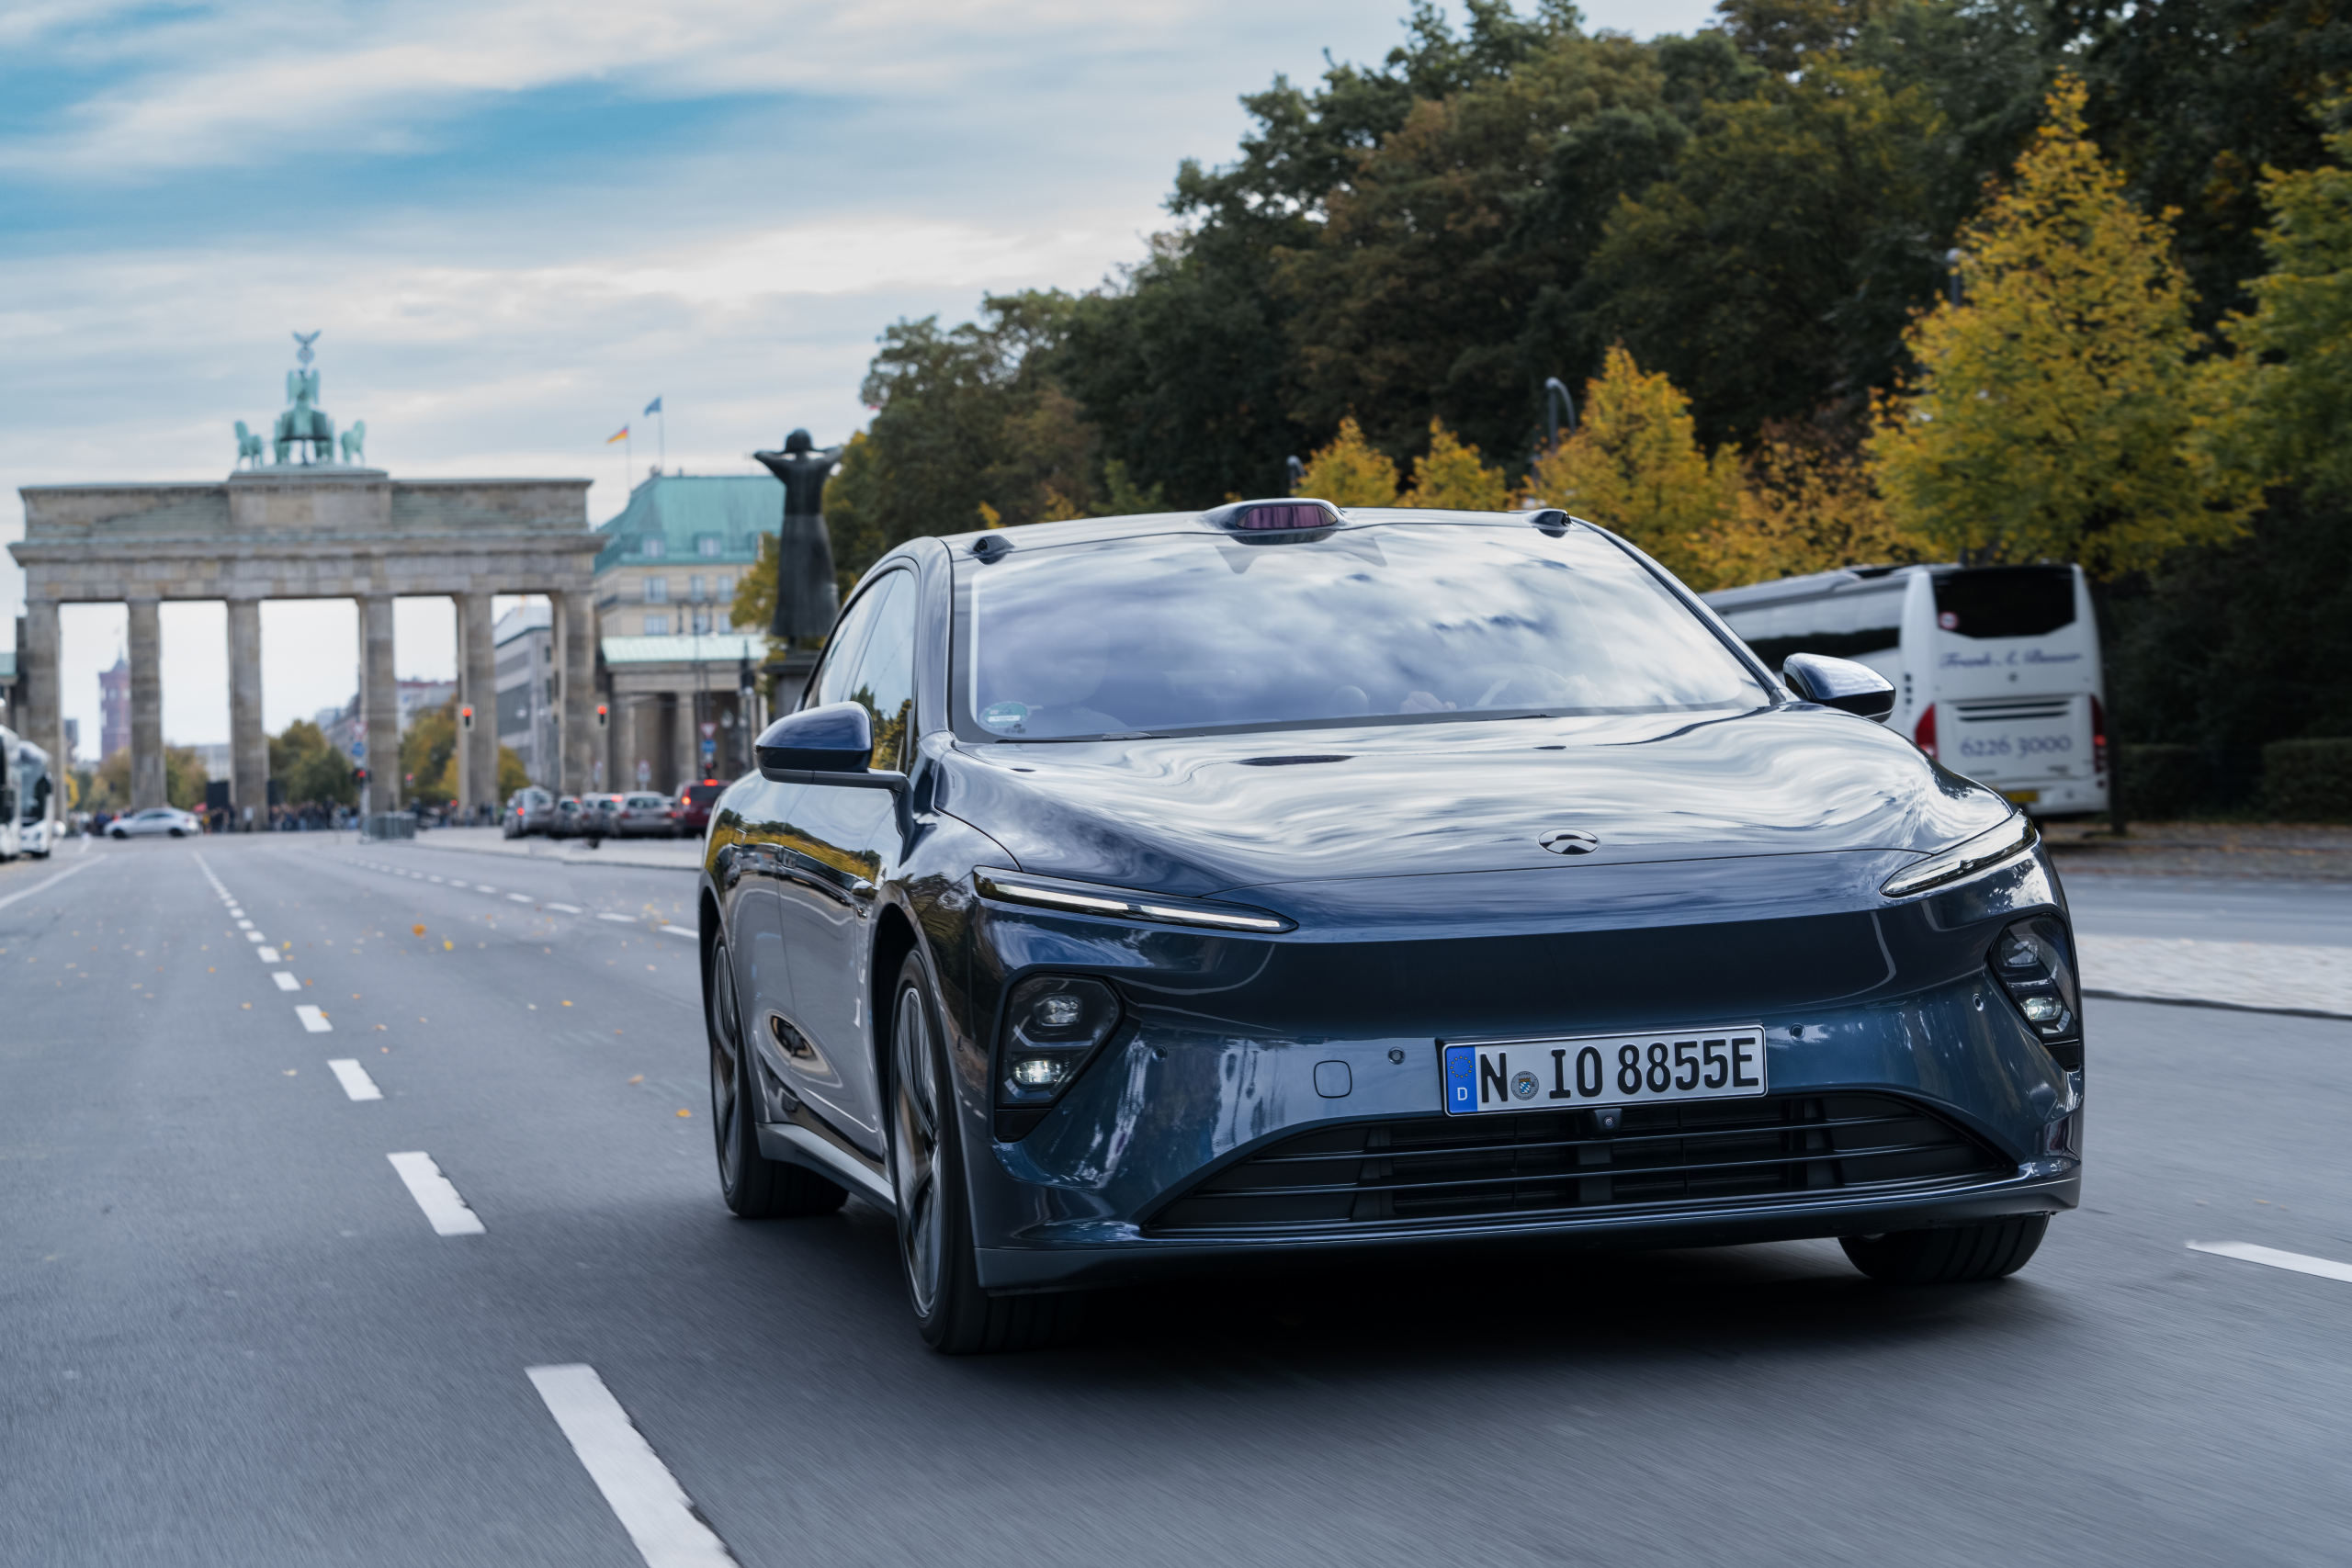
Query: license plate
2021, 797
1603, 1070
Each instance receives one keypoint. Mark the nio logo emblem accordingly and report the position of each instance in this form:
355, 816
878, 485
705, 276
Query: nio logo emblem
1570, 842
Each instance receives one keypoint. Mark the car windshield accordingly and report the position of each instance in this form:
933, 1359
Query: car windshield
1389, 622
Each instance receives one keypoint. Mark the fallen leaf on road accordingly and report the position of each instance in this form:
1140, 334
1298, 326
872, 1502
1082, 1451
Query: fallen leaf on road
247, 1006
418, 930
686, 1113
640, 1078
292, 1071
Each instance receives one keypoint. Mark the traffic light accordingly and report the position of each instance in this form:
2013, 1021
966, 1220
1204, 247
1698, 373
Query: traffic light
359, 775
466, 717
604, 718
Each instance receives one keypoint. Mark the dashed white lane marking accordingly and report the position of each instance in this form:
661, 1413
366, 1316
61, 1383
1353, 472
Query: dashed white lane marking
520, 898
625, 920
285, 979
442, 1206
484, 887
688, 931
432, 879
39, 886
354, 1079
313, 1020
2247, 1252
256, 936
242, 925
567, 908
267, 954
454, 882
643, 1495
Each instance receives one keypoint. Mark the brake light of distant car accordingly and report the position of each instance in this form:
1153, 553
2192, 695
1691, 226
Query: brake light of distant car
1924, 737
2011, 839
1083, 899
2099, 742
1053, 1025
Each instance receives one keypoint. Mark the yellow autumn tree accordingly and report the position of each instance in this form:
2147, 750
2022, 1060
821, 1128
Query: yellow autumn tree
2050, 414
1634, 465
1351, 471
1451, 477
1803, 505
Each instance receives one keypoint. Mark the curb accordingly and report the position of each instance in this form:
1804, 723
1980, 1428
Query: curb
2220, 1006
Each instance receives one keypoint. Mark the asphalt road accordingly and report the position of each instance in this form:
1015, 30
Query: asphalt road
228, 1334
2316, 913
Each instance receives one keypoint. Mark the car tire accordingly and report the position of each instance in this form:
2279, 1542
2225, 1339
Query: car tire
953, 1313
179, 833
1956, 1255
755, 1187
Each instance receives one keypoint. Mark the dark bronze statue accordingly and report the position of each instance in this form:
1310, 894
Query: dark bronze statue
804, 579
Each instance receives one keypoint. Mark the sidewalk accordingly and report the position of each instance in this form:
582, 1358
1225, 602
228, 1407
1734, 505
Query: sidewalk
659, 854
2310, 852
2267, 977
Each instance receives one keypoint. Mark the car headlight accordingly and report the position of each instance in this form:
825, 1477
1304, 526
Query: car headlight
2011, 839
1089, 899
2030, 960
1052, 1025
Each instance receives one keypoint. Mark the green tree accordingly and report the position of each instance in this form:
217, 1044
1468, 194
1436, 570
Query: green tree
2050, 417
429, 756
185, 776
310, 771
1636, 466
2281, 407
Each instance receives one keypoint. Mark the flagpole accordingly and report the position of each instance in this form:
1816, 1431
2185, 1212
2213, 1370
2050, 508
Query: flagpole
662, 424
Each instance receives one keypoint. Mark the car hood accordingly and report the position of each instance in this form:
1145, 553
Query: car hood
1209, 815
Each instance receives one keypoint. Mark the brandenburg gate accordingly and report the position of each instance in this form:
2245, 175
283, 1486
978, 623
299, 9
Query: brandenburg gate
318, 529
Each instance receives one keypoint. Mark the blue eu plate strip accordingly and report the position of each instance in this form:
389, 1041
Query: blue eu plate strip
1461, 1079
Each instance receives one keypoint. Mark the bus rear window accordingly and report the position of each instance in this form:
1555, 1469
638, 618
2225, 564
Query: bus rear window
2006, 601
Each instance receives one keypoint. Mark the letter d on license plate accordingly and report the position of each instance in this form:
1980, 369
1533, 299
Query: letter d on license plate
1603, 1070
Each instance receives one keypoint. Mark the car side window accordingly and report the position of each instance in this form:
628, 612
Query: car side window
883, 675
835, 677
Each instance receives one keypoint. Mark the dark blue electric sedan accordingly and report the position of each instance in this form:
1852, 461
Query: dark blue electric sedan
1135, 892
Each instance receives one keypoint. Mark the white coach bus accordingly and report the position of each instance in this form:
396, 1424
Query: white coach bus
38, 806
11, 831
1996, 668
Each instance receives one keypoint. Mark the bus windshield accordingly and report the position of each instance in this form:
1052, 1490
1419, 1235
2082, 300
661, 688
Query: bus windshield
2006, 601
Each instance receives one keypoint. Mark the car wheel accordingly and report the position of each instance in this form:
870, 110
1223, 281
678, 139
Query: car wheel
178, 833
1954, 1255
951, 1313
755, 1187
117, 833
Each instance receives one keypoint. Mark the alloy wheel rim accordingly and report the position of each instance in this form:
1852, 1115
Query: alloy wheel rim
725, 1101
914, 1126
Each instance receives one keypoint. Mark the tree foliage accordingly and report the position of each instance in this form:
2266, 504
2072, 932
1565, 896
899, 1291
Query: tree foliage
2050, 414
1351, 471
1450, 475
309, 770
1636, 466
2282, 406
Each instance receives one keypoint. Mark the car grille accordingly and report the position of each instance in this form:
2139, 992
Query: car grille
1538, 1162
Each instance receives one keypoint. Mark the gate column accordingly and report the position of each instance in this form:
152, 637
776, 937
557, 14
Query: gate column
248, 741
146, 705
379, 703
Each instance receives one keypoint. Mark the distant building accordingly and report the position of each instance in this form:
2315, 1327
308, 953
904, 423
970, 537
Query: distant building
73, 741
671, 663
216, 759
526, 682
114, 708
343, 726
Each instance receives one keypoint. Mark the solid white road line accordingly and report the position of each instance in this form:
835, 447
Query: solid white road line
2247, 1252
354, 1079
285, 979
567, 908
39, 886
643, 1495
625, 920
313, 1020
688, 931
520, 898
442, 1206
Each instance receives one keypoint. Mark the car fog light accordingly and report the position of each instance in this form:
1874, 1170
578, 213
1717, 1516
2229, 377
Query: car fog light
1054, 1025
2032, 961
1037, 1072
2043, 1010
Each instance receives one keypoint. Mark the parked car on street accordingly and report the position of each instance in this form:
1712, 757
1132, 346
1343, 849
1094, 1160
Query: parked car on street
695, 801
1279, 881
528, 811
642, 815
598, 813
564, 820
166, 820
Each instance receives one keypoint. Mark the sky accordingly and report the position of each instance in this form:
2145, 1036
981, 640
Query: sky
515, 222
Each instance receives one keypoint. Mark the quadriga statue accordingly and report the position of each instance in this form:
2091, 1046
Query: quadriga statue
305, 421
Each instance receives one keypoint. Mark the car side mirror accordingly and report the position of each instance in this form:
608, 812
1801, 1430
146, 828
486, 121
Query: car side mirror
1840, 683
828, 745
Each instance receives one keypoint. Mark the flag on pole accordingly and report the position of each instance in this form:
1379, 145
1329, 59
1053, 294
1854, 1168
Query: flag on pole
620, 435
653, 407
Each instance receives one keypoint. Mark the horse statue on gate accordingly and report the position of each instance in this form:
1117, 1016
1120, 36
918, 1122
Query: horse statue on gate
355, 443
248, 446
305, 421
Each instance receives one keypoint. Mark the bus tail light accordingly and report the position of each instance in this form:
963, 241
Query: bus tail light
2098, 740
1924, 737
